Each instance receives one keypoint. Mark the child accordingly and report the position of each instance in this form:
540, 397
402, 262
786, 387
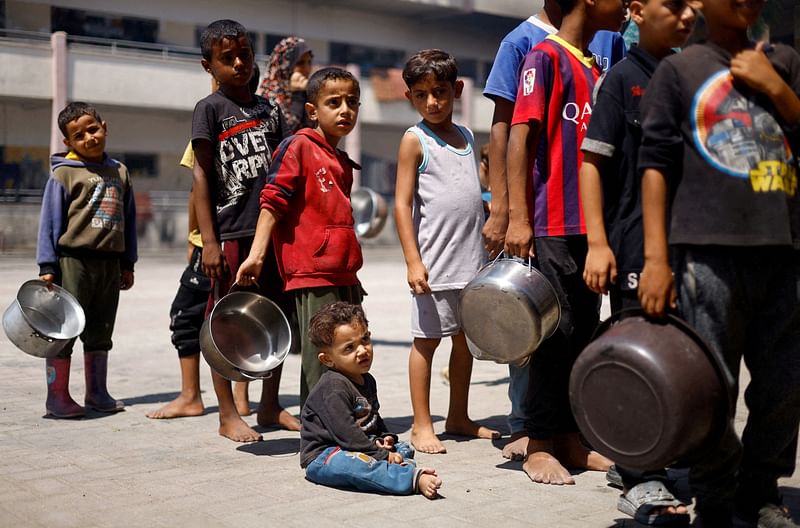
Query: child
439, 216
233, 136
546, 220
721, 131
501, 87
286, 80
610, 195
305, 209
87, 244
343, 440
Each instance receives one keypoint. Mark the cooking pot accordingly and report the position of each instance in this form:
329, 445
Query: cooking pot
650, 393
245, 337
42, 320
507, 310
369, 212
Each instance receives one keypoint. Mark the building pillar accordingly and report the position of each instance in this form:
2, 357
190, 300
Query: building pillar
58, 42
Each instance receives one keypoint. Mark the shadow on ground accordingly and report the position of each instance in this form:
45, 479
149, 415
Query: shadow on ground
272, 447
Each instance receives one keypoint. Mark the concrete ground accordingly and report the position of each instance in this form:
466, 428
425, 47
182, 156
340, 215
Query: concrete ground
127, 470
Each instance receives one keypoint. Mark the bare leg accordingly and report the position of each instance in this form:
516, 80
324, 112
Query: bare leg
542, 465
429, 483
573, 454
458, 421
241, 397
231, 424
189, 402
419, 380
270, 411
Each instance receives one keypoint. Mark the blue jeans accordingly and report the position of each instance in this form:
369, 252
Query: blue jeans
518, 394
745, 302
353, 470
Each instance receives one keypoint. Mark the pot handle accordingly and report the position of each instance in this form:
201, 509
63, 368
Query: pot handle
503, 254
254, 378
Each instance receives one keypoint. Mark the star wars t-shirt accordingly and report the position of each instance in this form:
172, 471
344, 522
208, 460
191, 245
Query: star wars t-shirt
244, 138
729, 158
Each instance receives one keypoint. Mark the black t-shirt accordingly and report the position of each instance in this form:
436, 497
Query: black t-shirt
615, 132
728, 155
244, 138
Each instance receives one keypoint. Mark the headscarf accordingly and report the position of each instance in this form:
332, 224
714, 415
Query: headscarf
275, 85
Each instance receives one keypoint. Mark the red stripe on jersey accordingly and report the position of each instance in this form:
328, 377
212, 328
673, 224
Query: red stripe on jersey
241, 127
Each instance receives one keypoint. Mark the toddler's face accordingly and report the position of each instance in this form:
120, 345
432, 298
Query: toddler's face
351, 352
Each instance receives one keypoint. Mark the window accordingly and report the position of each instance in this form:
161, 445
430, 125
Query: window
139, 165
367, 57
94, 24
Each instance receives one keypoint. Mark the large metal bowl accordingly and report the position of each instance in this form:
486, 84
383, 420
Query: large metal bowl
369, 212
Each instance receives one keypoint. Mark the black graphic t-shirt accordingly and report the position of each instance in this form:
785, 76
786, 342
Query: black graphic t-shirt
244, 138
730, 159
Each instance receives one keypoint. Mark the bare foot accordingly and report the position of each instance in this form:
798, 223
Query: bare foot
178, 408
279, 416
238, 431
681, 509
425, 441
544, 468
241, 397
429, 483
517, 446
469, 428
572, 453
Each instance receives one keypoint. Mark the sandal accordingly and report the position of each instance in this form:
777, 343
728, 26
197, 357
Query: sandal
644, 499
775, 516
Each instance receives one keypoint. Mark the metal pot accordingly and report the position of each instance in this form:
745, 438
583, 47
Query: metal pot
507, 310
650, 393
42, 320
369, 212
245, 337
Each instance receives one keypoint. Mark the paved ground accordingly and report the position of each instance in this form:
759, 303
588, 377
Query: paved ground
127, 470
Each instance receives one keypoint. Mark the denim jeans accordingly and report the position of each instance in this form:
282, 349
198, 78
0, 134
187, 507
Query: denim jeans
518, 394
745, 302
348, 469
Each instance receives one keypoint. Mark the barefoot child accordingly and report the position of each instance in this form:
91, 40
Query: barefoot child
87, 244
233, 136
343, 440
551, 113
439, 216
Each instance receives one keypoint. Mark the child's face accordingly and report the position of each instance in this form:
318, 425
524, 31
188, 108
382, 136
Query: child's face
351, 351
667, 22
433, 99
303, 64
607, 14
86, 137
336, 109
231, 62
732, 14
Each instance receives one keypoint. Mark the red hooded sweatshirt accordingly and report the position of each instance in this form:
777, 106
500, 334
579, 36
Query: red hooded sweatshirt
308, 191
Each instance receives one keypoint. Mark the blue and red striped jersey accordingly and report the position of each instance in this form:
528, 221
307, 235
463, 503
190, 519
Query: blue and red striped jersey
555, 90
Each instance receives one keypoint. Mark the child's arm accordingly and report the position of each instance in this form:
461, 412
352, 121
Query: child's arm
494, 231
52, 223
656, 284
408, 159
250, 269
753, 68
131, 243
519, 238
213, 262
601, 266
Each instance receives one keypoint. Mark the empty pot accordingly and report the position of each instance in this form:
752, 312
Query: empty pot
369, 212
650, 393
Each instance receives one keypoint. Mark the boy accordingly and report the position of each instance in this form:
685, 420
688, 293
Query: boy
501, 87
343, 440
439, 216
721, 129
610, 195
233, 136
87, 244
550, 117
305, 208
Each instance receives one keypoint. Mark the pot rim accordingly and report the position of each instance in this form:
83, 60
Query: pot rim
81, 315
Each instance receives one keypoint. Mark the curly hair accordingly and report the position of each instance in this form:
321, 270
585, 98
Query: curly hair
324, 323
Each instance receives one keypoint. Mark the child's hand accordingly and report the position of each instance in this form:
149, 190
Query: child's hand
519, 239
752, 67
494, 233
394, 458
600, 269
213, 261
418, 278
126, 280
657, 289
387, 442
249, 271
48, 278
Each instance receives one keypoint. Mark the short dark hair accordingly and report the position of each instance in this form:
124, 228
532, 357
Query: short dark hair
441, 64
320, 77
566, 6
73, 111
218, 30
254, 80
324, 323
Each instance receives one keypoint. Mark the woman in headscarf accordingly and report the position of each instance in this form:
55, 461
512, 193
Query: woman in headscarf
286, 78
